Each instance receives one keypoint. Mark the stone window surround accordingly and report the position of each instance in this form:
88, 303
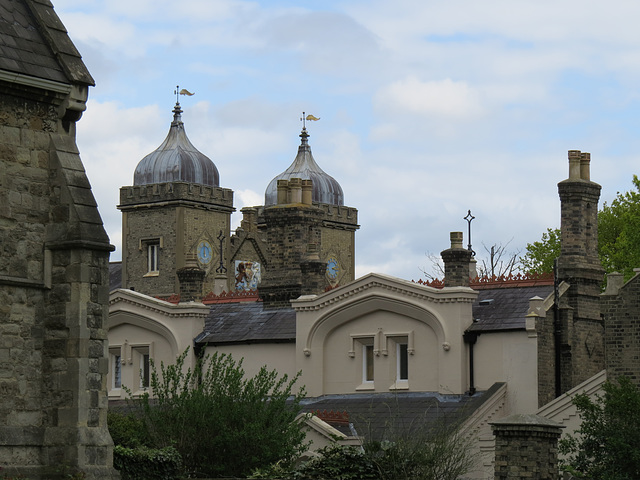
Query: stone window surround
153, 254
380, 343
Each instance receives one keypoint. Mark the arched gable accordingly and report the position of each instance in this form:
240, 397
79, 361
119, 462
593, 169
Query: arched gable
123, 317
351, 310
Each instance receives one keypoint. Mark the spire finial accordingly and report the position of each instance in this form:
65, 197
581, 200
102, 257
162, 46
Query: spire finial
177, 92
469, 218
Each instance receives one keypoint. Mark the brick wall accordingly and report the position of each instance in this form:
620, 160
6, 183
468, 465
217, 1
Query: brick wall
622, 334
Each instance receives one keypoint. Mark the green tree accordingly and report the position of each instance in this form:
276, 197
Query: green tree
607, 445
541, 255
619, 232
222, 423
618, 238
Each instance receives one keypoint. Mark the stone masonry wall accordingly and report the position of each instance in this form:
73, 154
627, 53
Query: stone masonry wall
182, 214
53, 294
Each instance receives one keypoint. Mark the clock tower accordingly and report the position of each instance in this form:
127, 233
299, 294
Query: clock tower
175, 211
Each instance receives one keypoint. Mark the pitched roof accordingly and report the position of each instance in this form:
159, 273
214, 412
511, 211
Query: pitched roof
247, 322
34, 42
500, 309
377, 416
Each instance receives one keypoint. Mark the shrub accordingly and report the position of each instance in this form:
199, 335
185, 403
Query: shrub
127, 430
142, 463
220, 422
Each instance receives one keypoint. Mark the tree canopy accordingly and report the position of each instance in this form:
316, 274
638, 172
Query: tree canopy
607, 445
619, 232
618, 238
540, 255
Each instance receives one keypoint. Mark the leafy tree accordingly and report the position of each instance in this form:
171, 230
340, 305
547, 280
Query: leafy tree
222, 423
618, 238
619, 232
541, 255
607, 446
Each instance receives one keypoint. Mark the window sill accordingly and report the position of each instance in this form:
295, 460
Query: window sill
151, 274
368, 386
400, 385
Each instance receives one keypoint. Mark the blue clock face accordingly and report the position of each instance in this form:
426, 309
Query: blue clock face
205, 253
333, 268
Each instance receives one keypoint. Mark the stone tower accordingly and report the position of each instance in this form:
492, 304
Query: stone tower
582, 332
309, 234
174, 210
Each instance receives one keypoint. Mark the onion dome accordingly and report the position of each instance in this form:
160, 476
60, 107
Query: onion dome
176, 160
326, 189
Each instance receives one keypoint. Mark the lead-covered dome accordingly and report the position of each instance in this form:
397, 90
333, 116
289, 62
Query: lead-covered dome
176, 160
326, 189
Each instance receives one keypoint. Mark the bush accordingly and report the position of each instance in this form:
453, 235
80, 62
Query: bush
607, 445
127, 430
144, 463
220, 422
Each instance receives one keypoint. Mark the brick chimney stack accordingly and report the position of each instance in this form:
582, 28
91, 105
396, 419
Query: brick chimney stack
579, 266
191, 278
456, 262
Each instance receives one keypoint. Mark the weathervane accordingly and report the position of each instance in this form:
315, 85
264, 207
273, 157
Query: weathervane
179, 92
304, 118
469, 218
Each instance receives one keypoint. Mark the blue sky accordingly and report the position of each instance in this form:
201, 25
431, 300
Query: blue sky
428, 108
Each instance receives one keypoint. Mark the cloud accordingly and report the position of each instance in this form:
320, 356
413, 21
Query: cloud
443, 99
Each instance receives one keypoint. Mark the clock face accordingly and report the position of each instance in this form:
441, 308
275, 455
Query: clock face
333, 268
205, 253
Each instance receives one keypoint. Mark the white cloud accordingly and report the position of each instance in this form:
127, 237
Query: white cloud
441, 99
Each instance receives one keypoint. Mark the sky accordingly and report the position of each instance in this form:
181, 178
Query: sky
428, 109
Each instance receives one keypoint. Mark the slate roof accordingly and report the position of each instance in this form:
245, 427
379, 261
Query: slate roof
115, 275
34, 42
247, 322
500, 309
377, 416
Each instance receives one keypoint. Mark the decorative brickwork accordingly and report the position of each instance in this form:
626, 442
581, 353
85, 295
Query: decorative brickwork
526, 447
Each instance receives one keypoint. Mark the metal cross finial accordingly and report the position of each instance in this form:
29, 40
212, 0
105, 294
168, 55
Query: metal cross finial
221, 268
469, 218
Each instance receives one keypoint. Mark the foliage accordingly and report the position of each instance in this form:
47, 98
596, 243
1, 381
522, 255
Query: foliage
127, 430
142, 463
222, 423
607, 446
417, 451
340, 463
619, 232
541, 255
618, 238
